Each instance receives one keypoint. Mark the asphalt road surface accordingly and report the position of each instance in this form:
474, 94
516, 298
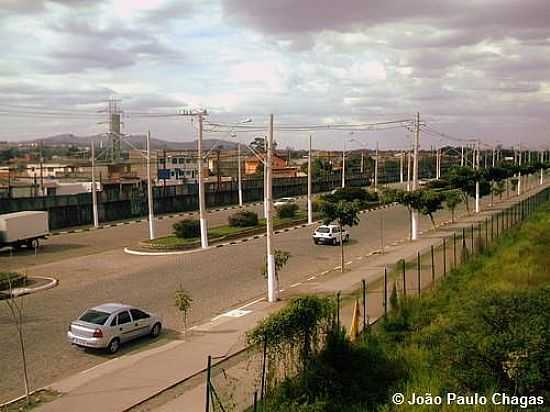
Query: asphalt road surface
93, 269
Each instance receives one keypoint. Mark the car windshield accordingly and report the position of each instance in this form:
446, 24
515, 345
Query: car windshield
323, 229
95, 316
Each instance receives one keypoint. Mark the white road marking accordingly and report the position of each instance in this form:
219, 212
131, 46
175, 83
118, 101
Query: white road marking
296, 284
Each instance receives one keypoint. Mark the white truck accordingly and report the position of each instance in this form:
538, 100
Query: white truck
23, 229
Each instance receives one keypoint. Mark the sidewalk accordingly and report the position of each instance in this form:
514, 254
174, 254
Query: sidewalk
121, 383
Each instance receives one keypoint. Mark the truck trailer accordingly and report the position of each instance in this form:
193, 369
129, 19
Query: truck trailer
23, 229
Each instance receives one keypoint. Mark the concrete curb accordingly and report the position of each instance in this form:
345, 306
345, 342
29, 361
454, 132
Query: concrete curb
17, 292
238, 241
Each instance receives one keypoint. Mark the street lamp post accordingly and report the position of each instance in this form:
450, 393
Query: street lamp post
272, 287
309, 186
150, 203
94, 193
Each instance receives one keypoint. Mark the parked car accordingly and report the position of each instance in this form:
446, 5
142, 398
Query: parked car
284, 201
329, 234
109, 325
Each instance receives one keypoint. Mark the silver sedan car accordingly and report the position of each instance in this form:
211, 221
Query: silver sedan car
107, 326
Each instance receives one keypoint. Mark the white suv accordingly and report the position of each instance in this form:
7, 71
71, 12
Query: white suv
329, 234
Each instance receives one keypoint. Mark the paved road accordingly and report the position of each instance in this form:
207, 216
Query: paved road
216, 278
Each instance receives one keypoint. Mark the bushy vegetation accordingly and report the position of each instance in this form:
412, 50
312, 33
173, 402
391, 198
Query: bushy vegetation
351, 194
243, 218
484, 329
11, 279
187, 228
287, 211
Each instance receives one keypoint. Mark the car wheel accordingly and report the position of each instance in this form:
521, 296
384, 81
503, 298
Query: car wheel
315, 241
155, 332
114, 346
347, 238
334, 242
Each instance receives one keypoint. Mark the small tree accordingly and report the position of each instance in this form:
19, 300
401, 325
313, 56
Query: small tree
344, 214
15, 310
452, 199
424, 201
183, 302
281, 259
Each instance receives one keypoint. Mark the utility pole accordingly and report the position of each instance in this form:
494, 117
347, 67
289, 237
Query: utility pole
409, 170
309, 184
239, 175
541, 169
265, 178
376, 169
362, 162
344, 165
401, 167
414, 213
150, 203
477, 178
94, 194
519, 172
494, 155
272, 287
202, 199
462, 155
42, 192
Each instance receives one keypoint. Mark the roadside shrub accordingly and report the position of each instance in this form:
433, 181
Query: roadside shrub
316, 205
11, 278
244, 218
351, 194
287, 211
187, 228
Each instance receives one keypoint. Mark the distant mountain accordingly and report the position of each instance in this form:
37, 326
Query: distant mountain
137, 141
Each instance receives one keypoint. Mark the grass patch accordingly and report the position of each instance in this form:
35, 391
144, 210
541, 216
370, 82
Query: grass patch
37, 399
12, 279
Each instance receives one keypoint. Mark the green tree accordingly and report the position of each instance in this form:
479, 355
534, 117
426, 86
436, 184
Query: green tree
344, 214
452, 199
183, 302
425, 201
281, 259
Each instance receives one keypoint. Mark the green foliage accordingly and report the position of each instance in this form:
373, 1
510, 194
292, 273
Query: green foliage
342, 376
281, 259
183, 301
243, 218
344, 213
187, 228
296, 327
424, 201
452, 199
502, 339
319, 167
351, 194
316, 205
287, 211
11, 280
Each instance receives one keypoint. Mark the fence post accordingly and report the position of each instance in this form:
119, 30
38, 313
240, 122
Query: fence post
433, 264
444, 257
255, 404
486, 232
404, 278
492, 233
364, 305
264, 370
207, 409
473, 241
385, 291
464, 248
454, 250
418, 270
338, 309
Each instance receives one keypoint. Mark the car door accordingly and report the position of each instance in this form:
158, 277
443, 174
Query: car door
141, 321
125, 327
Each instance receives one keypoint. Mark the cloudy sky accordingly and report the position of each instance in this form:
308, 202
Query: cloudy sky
472, 68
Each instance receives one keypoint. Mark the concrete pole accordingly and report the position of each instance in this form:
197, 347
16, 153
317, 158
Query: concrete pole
519, 173
408, 171
265, 177
494, 156
94, 194
376, 169
541, 169
150, 203
309, 184
272, 287
202, 199
477, 180
401, 167
462, 155
344, 165
414, 214
362, 162
239, 174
